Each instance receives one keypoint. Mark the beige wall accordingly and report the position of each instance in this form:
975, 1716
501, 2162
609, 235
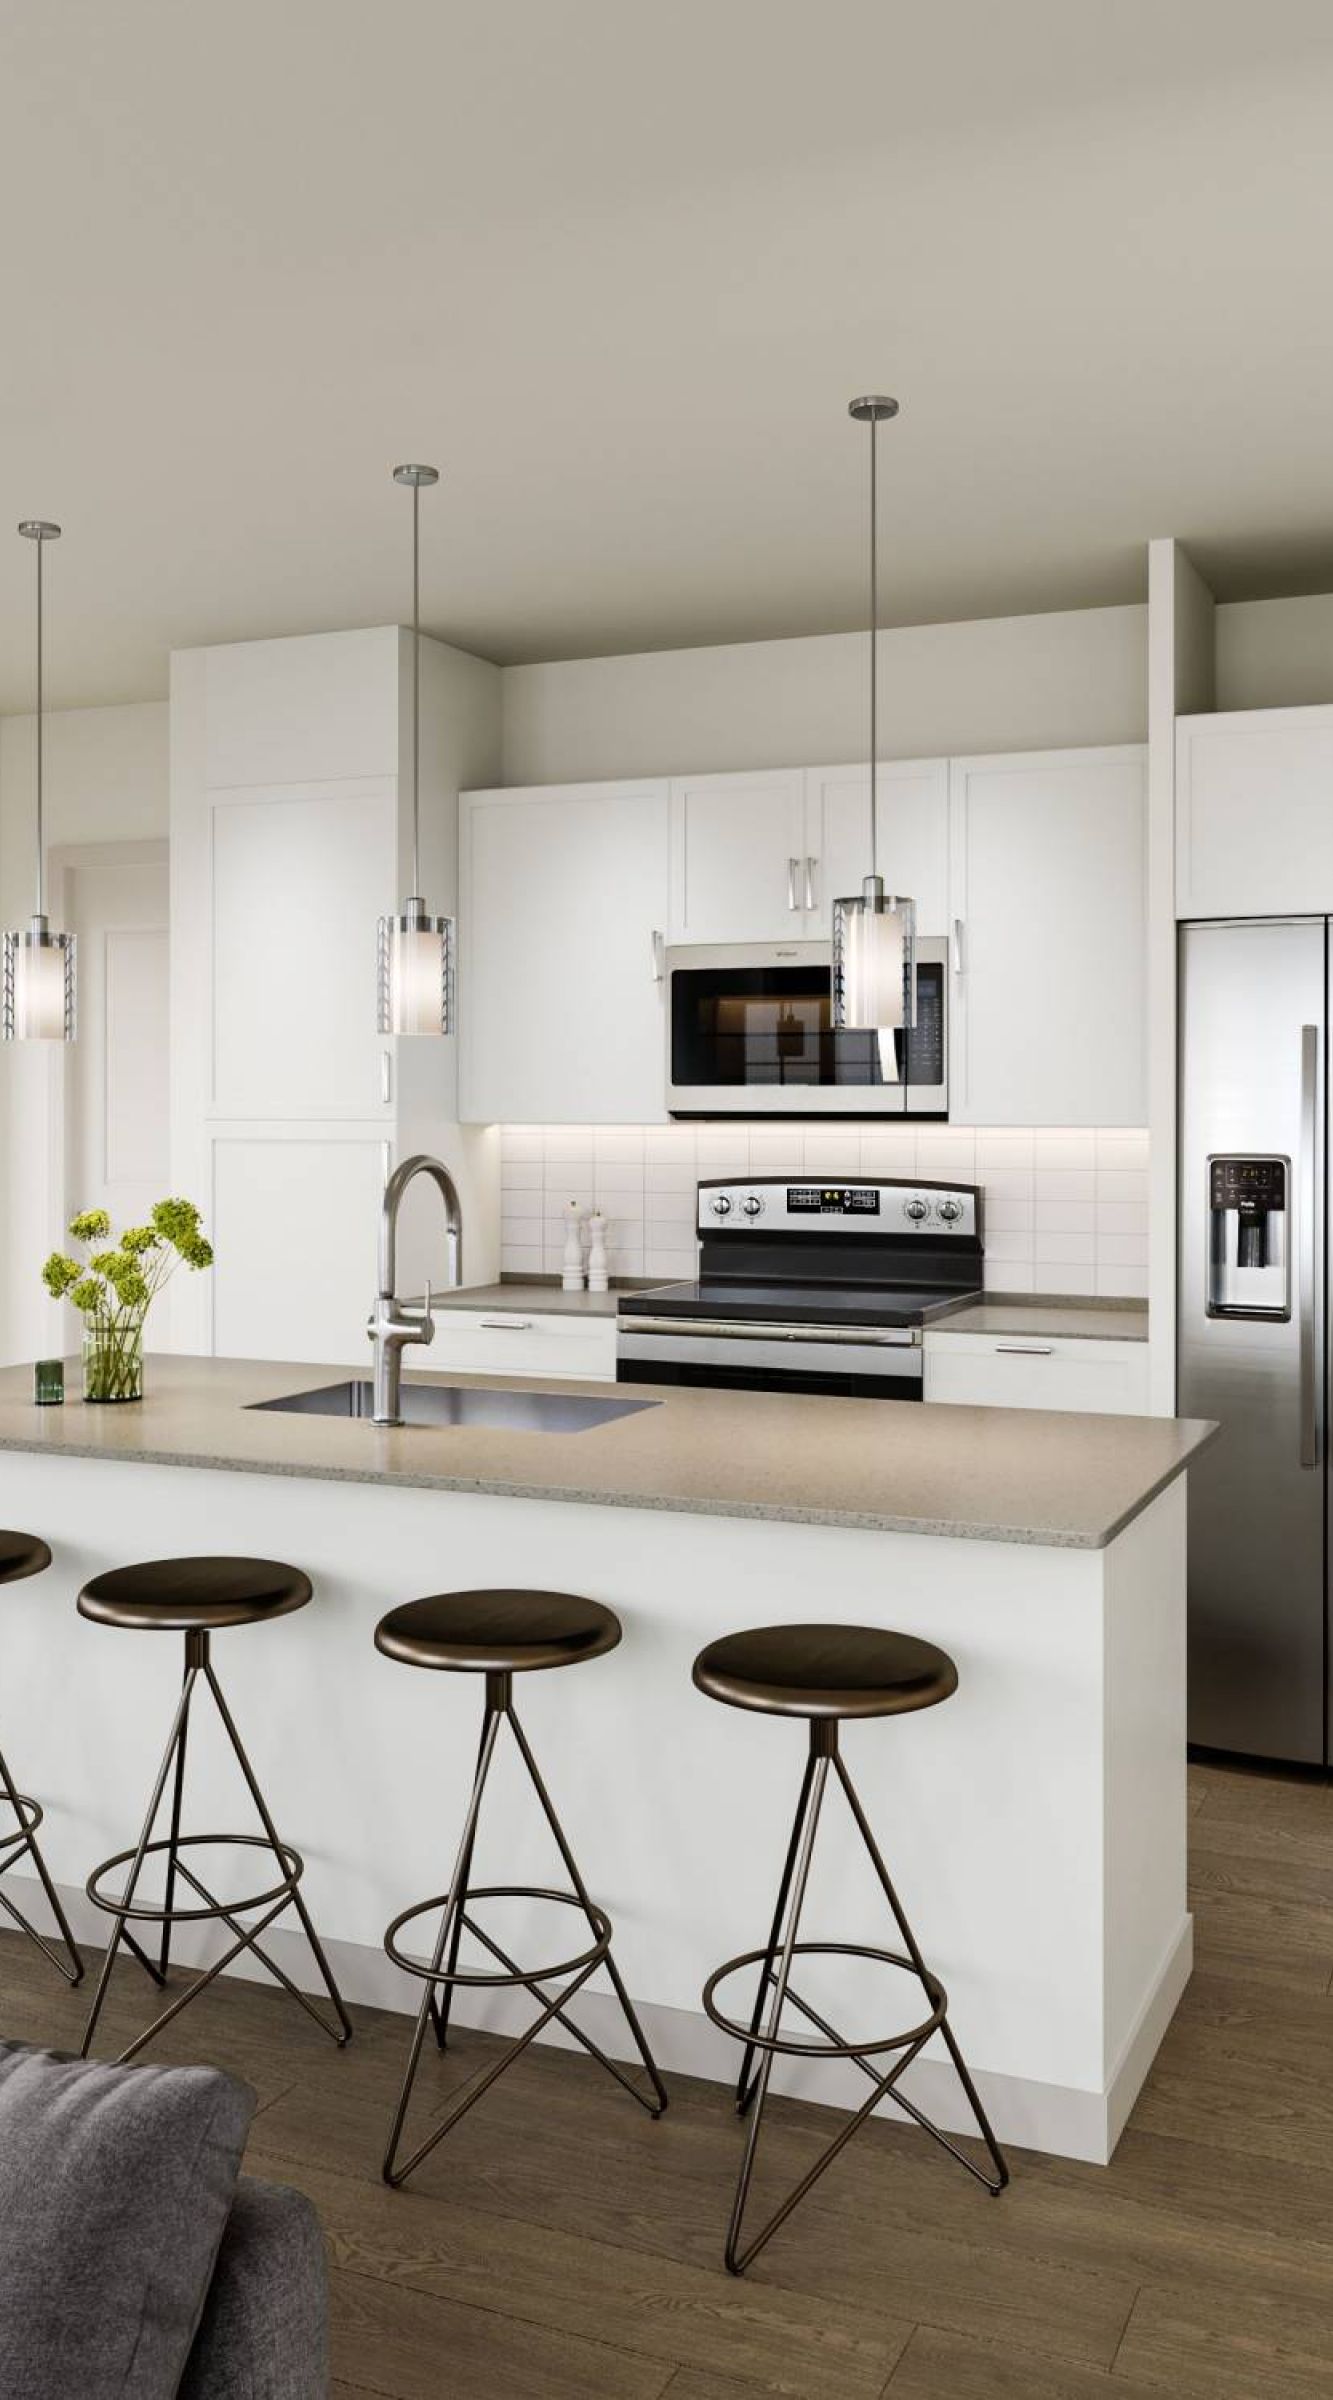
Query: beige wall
1275, 653
1000, 683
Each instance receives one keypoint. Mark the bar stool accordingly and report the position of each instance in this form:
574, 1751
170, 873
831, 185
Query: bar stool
23, 1554
198, 1597
826, 1673
499, 1634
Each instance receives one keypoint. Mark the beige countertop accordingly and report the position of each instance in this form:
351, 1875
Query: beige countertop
979, 1474
536, 1299
1018, 1313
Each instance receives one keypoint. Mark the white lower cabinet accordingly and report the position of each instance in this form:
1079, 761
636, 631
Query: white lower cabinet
1032, 1370
501, 1341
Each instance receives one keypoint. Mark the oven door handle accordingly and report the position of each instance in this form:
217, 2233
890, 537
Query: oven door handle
878, 1337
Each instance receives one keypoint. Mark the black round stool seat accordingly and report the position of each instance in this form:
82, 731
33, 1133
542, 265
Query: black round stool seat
497, 1633
194, 1595
22, 1554
825, 1671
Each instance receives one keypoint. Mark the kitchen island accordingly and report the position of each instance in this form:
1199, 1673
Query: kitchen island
1035, 1823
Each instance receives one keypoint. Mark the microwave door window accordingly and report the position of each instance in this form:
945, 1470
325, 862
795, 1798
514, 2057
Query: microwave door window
762, 1027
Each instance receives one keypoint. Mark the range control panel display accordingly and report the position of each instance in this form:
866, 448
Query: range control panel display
832, 1200
1253, 1185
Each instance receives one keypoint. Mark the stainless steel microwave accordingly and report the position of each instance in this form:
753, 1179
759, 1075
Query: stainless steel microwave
750, 1033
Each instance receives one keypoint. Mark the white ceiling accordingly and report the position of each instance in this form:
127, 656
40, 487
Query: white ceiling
617, 268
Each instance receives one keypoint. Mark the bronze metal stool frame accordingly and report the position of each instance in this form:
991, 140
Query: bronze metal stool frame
457, 1920
767, 2040
27, 1818
282, 1893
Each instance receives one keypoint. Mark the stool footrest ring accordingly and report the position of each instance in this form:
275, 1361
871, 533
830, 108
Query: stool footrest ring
784, 2046
584, 1963
141, 1911
29, 1814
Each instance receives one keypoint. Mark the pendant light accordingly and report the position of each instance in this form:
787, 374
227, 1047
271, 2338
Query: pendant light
874, 935
38, 988
416, 950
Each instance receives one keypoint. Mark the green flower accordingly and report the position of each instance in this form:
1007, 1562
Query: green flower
196, 1253
92, 1226
59, 1273
177, 1221
88, 1294
137, 1239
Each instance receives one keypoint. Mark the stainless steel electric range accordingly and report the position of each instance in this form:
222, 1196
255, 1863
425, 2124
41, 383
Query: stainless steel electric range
808, 1287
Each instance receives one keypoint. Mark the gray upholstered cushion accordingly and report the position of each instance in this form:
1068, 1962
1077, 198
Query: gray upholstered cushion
115, 2187
265, 2329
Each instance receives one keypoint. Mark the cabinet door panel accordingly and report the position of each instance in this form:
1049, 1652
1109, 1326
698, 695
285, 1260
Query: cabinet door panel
561, 1015
1102, 1377
1048, 874
913, 845
1254, 828
300, 875
738, 853
294, 1220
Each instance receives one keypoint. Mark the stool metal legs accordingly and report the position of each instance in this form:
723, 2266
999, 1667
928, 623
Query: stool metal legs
763, 2037
23, 1837
280, 1894
459, 1918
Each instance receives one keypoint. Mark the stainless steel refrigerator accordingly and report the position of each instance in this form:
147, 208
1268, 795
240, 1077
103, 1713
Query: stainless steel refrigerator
1253, 1330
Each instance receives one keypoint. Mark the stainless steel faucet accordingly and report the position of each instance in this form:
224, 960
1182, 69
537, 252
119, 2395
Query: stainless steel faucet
392, 1323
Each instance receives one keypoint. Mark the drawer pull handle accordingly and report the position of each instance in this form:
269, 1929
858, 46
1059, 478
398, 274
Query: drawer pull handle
506, 1324
1025, 1349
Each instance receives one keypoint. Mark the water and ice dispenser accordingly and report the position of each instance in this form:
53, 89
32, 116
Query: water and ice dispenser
1249, 1237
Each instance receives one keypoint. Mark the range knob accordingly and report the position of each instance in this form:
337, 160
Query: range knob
752, 1205
720, 1205
916, 1208
950, 1211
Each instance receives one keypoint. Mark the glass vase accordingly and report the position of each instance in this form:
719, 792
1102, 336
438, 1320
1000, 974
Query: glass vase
113, 1362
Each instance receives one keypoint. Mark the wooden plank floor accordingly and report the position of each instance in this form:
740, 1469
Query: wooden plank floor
561, 2246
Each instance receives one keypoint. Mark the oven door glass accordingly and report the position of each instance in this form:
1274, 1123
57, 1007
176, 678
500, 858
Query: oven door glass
750, 1027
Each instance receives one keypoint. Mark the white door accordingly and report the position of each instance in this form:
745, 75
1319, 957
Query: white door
117, 1129
1254, 830
562, 919
739, 862
913, 828
1048, 878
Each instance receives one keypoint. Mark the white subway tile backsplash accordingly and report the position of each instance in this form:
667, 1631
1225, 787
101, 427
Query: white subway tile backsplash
1066, 1210
1078, 1282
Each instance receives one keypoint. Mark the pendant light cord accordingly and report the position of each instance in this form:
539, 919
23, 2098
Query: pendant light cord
416, 689
41, 837
874, 650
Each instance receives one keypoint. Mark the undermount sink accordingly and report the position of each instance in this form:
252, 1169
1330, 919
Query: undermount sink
461, 1404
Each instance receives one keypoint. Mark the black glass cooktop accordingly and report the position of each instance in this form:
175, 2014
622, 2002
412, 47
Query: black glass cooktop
794, 1303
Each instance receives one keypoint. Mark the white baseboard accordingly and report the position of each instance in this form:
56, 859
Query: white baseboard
1066, 2120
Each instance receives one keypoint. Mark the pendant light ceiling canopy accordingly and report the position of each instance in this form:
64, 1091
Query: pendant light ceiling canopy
874, 934
416, 949
37, 1003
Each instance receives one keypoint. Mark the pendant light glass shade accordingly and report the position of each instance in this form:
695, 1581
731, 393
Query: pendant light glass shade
37, 991
416, 950
874, 933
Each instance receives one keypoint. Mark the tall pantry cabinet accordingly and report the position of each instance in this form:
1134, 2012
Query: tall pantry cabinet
291, 788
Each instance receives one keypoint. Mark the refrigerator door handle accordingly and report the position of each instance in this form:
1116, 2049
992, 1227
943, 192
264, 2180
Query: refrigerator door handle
1306, 1265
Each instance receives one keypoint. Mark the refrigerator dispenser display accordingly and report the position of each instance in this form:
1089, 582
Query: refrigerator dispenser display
1248, 1237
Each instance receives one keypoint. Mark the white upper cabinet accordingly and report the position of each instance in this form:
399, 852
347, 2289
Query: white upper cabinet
1254, 813
563, 907
913, 830
738, 859
762, 858
1048, 897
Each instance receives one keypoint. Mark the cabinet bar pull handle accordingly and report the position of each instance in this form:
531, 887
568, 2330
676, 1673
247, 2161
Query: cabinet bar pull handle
791, 884
659, 957
810, 900
1306, 1228
958, 945
386, 1076
1026, 1349
507, 1324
